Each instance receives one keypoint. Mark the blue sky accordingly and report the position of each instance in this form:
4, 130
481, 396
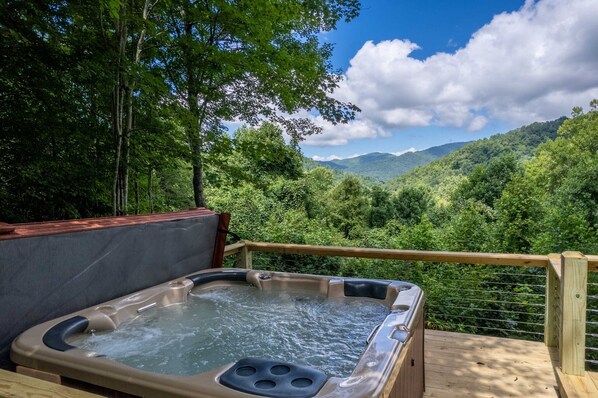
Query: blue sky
430, 72
436, 25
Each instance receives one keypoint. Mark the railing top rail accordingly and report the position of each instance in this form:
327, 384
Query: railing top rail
521, 260
592, 263
525, 260
233, 248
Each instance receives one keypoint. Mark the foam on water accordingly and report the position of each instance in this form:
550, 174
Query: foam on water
220, 326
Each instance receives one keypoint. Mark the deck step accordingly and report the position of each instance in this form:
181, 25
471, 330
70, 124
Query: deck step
578, 386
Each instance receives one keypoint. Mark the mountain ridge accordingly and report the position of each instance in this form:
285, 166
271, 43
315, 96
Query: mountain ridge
444, 173
386, 166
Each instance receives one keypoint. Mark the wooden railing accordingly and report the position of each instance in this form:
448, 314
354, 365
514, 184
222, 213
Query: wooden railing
565, 296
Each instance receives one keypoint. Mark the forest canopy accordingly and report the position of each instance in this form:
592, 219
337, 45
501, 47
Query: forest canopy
119, 107
100, 101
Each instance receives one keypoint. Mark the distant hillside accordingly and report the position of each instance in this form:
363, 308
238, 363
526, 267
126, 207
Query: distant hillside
385, 166
446, 172
310, 164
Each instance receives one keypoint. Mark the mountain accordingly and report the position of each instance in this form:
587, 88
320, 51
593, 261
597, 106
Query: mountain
446, 172
385, 166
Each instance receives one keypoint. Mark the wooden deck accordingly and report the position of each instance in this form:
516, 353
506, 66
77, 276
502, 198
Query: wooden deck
457, 365
465, 365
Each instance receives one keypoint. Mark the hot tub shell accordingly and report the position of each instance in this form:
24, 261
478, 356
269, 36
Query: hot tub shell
391, 365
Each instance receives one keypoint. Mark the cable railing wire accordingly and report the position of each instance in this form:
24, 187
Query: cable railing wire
501, 311
592, 323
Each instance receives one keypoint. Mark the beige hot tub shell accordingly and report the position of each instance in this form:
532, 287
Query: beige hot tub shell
391, 365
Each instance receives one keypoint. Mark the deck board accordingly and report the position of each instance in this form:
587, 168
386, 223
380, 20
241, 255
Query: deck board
15, 385
465, 365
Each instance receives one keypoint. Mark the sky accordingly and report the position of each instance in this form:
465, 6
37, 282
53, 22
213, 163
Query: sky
430, 72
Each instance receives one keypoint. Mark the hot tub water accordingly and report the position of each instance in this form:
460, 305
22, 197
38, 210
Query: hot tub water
220, 326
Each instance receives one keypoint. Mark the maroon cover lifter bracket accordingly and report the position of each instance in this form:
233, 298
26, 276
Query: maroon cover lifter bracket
218, 257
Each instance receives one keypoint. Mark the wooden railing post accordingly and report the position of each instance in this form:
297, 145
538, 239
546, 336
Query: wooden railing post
244, 258
553, 302
572, 347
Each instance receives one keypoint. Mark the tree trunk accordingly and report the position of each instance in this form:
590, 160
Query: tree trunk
123, 110
194, 130
150, 195
136, 176
118, 129
197, 163
198, 193
118, 140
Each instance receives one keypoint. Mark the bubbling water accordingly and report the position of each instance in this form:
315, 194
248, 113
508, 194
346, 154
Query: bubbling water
223, 325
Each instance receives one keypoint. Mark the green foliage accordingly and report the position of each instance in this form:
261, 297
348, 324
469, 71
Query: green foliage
420, 236
487, 181
250, 60
411, 203
348, 206
249, 206
565, 170
381, 209
470, 229
566, 230
98, 99
519, 212
262, 153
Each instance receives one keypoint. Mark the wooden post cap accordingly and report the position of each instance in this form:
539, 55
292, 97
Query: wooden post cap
6, 228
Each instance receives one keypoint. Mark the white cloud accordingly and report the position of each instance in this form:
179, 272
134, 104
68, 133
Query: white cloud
477, 123
341, 134
530, 65
335, 157
325, 158
412, 149
354, 155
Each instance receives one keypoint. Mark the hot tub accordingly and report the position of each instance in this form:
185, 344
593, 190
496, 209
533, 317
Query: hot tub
390, 362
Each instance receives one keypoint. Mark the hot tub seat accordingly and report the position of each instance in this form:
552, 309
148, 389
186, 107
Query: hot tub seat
271, 378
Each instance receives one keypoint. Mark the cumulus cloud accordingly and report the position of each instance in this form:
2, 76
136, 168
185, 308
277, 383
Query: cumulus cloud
529, 65
341, 134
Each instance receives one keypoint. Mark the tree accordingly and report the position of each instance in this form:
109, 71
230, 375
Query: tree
262, 152
348, 205
318, 182
519, 213
86, 87
53, 127
126, 41
487, 181
250, 60
566, 171
380, 207
418, 236
470, 228
411, 203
